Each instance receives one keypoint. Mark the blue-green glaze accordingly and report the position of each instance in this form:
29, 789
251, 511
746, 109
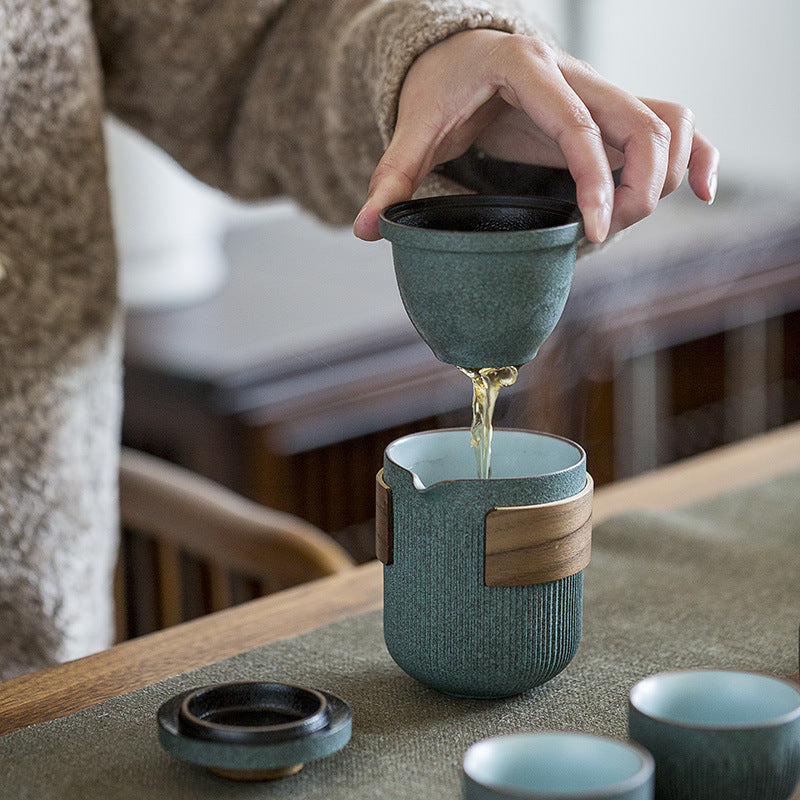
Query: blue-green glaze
282, 753
549, 765
487, 296
719, 758
442, 624
221, 755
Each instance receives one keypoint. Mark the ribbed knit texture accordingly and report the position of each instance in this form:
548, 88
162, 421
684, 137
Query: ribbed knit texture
257, 97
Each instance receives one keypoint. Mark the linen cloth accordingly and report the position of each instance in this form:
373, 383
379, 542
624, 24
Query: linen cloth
714, 585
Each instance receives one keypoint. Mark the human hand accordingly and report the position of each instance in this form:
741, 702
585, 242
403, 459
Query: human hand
519, 99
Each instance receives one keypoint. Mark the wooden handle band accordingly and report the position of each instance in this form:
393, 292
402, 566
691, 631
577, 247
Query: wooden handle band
537, 544
384, 521
523, 544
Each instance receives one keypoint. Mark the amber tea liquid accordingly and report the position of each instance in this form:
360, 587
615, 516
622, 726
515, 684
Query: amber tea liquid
486, 383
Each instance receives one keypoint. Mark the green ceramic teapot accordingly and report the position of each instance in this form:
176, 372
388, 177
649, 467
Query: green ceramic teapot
483, 279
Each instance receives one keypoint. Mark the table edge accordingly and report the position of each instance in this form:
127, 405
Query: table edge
75, 685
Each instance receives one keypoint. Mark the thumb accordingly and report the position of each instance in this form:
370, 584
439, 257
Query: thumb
398, 175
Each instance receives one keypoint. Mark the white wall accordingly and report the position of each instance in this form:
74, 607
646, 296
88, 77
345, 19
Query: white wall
553, 13
734, 62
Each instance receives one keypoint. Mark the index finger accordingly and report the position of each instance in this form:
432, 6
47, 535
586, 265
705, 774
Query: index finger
401, 169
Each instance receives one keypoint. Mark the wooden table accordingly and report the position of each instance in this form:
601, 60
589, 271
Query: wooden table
66, 688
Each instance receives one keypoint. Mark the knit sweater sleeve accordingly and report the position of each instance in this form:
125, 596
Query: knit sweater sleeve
266, 97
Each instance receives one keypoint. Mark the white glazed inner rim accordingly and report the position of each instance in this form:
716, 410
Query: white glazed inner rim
557, 765
436, 456
716, 699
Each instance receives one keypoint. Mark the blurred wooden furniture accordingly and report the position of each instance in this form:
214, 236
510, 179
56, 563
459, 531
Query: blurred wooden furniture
682, 335
66, 688
191, 546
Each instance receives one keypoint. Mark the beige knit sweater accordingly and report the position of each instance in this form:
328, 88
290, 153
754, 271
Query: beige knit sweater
257, 97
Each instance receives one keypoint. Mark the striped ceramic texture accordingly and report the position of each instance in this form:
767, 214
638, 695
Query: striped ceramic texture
442, 625
755, 764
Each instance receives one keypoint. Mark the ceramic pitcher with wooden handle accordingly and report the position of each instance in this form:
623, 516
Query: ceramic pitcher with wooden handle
483, 579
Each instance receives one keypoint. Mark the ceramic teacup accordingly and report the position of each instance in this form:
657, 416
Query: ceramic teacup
557, 766
718, 734
484, 279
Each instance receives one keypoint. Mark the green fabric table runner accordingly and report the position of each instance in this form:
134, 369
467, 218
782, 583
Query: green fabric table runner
715, 585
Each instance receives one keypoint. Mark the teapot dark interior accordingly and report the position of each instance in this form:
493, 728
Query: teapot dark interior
465, 213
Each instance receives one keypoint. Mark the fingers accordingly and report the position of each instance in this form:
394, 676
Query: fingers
409, 157
530, 103
442, 106
434, 104
533, 82
655, 150
680, 123
703, 168
390, 184
689, 149
522, 72
407, 160
658, 141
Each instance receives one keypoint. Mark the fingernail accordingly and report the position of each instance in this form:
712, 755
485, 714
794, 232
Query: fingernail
357, 223
602, 220
712, 187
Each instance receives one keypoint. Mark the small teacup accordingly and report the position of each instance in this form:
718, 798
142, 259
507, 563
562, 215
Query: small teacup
718, 734
566, 766
461, 260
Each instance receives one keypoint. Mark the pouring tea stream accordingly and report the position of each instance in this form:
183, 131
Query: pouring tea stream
484, 280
